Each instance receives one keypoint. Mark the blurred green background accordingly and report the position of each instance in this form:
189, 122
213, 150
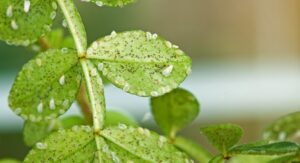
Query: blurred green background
245, 60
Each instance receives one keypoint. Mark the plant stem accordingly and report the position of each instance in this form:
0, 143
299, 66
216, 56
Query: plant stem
75, 25
84, 104
94, 83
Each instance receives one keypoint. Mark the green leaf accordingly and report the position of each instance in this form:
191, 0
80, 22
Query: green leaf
46, 86
285, 128
78, 145
21, 27
54, 40
139, 62
144, 144
9, 160
192, 149
277, 148
286, 159
217, 159
251, 159
223, 136
113, 118
113, 3
175, 110
36, 131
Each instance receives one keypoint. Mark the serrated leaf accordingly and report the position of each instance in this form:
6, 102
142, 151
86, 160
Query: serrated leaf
46, 86
193, 149
36, 131
277, 148
113, 118
175, 110
113, 3
22, 25
144, 144
139, 62
78, 145
223, 136
285, 128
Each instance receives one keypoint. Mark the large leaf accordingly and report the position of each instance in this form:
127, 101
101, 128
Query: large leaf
174, 110
277, 148
22, 22
139, 62
223, 136
78, 145
144, 144
36, 131
46, 86
286, 127
112, 3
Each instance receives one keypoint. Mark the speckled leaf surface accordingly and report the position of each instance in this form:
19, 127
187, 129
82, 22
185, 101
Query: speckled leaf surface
112, 3
144, 144
36, 131
20, 25
174, 110
74, 145
46, 86
139, 62
223, 136
286, 127
277, 148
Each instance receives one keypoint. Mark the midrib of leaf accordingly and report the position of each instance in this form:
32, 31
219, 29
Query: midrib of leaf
75, 25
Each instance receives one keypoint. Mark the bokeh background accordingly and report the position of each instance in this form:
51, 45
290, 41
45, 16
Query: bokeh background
246, 61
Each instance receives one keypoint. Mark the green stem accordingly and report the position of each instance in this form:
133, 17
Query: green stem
193, 149
93, 82
75, 25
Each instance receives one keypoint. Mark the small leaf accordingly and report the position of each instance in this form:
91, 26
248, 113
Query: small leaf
113, 3
46, 86
174, 110
22, 24
223, 136
277, 148
285, 128
140, 63
144, 144
76, 145
192, 149
36, 131
114, 118
54, 40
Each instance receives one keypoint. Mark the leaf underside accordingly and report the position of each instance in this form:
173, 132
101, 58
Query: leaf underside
78, 145
223, 136
23, 28
140, 63
46, 86
174, 110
